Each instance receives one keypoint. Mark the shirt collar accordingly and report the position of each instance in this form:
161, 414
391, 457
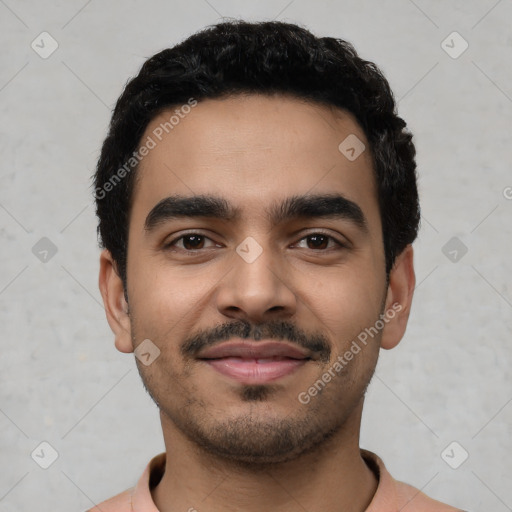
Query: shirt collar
384, 498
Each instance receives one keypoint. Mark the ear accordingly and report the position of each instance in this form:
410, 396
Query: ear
116, 307
402, 281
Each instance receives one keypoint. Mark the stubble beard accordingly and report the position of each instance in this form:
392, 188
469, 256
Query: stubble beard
255, 441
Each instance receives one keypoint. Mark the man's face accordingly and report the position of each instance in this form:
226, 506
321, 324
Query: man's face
256, 277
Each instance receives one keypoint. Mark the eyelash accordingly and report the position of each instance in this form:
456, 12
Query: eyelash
169, 245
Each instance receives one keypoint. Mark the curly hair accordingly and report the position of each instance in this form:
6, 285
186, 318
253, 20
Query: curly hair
238, 57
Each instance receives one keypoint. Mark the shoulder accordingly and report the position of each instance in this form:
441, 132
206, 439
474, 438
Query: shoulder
392, 494
413, 500
137, 497
119, 503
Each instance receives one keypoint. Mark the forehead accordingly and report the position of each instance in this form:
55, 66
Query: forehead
253, 150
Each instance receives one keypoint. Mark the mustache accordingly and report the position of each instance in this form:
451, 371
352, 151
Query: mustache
277, 330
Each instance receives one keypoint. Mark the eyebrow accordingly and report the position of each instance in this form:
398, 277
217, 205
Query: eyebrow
326, 206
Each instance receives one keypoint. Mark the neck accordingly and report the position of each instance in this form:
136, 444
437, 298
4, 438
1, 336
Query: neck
332, 477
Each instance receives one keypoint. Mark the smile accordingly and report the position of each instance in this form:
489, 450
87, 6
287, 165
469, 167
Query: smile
252, 362
255, 371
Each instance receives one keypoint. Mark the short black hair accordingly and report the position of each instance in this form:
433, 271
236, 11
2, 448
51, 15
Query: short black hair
238, 57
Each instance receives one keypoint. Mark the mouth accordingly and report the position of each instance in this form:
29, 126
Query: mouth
255, 363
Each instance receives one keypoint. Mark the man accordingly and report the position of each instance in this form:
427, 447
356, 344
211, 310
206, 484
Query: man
257, 203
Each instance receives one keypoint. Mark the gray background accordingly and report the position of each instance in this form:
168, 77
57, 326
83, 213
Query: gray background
62, 381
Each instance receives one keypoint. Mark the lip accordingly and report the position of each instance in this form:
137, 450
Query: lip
255, 362
254, 350
251, 371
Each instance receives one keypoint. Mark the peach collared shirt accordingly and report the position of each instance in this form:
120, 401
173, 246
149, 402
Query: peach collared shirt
391, 495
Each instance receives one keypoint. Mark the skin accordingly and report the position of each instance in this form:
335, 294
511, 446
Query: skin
232, 446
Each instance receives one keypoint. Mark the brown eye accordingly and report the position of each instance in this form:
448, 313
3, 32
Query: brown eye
320, 242
188, 242
191, 242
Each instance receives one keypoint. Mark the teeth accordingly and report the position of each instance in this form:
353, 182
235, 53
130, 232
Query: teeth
265, 360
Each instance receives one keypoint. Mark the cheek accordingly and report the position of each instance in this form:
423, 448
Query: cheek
168, 302
344, 303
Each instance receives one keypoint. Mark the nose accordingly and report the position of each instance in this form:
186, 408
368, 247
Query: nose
256, 290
